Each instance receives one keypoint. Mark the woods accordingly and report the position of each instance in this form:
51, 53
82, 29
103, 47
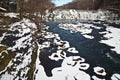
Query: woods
92, 4
30, 7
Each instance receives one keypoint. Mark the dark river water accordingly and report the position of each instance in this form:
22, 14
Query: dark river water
95, 53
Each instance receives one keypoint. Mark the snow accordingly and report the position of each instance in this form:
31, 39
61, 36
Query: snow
74, 15
45, 45
58, 55
115, 76
84, 66
70, 70
72, 67
72, 50
65, 44
25, 30
84, 29
39, 72
3, 9
1, 38
49, 35
7, 76
96, 78
113, 38
100, 71
11, 15
20, 43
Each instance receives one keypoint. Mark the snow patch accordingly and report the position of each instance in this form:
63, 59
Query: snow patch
11, 15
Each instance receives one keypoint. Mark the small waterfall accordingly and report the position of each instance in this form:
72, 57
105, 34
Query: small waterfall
80, 15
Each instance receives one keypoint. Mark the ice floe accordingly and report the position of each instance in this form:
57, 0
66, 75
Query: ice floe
65, 44
49, 35
115, 76
96, 78
84, 66
113, 38
8, 77
100, 71
45, 45
84, 29
70, 70
60, 54
72, 61
72, 50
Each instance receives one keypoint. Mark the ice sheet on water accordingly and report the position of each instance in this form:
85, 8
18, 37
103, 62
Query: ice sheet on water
84, 29
96, 78
7, 76
115, 76
70, 70
72, 50
100, 71
84, 66
45, 45
65, 44
70, 67
60, 54
113, 38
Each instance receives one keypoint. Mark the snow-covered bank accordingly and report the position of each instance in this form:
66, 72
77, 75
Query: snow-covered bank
21, 33
81, 15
